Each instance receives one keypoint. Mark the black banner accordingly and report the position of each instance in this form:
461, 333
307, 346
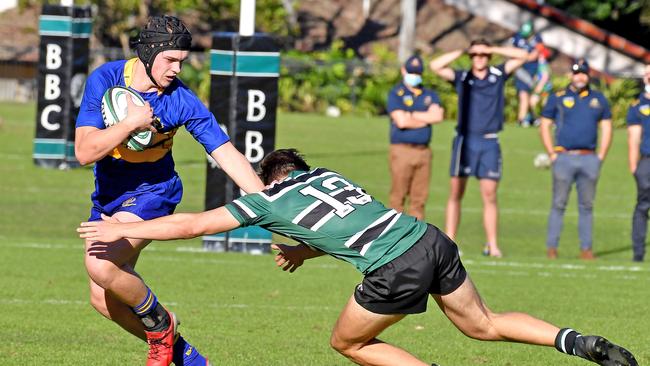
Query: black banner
63, 67
243, 97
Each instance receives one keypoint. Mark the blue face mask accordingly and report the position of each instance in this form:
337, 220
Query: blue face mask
647, 88
412, 80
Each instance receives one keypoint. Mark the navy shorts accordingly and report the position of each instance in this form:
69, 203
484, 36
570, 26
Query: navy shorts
148, 201
528, 71
476, 156
402, 286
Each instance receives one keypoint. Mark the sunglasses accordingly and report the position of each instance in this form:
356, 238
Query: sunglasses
472, 55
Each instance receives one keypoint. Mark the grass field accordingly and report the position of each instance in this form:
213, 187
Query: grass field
241, 310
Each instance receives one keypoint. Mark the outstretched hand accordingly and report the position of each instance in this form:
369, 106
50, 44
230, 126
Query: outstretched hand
289, 257
105, 231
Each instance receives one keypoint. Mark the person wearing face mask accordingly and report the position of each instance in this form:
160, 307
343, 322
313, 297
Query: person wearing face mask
638, 140
578, 112
412, 109
475, 148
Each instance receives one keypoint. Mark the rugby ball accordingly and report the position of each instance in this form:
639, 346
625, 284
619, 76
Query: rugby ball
114, 110
542, 161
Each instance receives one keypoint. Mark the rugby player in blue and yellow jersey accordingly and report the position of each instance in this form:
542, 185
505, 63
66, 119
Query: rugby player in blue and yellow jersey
141, 185
403, 260
475, 148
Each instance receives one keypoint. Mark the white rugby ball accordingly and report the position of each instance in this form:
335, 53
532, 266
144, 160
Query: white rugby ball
114, 110
542, 161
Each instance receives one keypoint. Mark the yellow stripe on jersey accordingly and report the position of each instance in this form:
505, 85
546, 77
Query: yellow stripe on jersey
162, 143
128, 71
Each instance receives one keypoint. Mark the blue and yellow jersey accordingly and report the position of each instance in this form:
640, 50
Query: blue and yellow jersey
175, 106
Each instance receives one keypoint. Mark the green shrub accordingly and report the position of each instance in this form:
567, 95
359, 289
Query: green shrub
310, 82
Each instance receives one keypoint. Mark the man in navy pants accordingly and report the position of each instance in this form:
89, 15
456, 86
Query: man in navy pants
578, 113
638, 133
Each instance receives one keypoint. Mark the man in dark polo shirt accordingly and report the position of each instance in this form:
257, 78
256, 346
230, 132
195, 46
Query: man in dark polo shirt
475, 148
578, 112
412, 110
638, 139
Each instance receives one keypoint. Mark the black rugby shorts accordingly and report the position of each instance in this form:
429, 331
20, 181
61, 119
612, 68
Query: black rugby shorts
402, 286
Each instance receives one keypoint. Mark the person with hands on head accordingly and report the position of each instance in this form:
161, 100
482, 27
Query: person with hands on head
638, 140
139, 185
404, 262
412, 109
577, 112
475, 148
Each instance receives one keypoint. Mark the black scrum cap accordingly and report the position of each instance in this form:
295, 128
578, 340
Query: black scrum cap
161, 33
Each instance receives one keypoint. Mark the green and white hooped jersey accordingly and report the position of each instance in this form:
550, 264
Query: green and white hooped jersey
324, 210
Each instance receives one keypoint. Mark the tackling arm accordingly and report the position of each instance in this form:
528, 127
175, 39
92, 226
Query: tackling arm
176, 226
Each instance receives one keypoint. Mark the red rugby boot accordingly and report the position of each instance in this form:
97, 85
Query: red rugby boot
161, 344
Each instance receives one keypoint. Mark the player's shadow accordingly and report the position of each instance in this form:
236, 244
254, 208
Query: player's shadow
604, 253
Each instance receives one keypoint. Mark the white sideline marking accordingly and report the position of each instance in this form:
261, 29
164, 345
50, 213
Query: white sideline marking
470, 262
565, 266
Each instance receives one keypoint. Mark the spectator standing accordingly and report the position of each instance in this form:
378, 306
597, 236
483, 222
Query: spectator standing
530, 41
475, 149
638, 139
412, 109
577, 112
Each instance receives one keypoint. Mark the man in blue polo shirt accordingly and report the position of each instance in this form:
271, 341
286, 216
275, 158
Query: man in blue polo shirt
412, 110
475, 149
578, 112
638, 139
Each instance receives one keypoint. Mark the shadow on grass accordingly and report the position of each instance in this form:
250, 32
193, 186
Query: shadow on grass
604, 253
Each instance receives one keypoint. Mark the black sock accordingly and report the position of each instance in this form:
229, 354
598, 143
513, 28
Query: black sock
153, 315
157, 320
565, 341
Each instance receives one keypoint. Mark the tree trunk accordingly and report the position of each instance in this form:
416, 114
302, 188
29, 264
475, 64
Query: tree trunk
407, 29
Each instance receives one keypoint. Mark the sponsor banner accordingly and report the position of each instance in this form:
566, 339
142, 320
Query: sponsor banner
63, 67
243, 97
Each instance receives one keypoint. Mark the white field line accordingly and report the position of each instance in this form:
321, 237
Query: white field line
467, 262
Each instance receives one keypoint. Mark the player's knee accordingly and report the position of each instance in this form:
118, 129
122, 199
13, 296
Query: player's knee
341, 346
102, 272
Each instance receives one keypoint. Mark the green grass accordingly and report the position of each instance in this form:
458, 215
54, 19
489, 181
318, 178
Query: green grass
241, 310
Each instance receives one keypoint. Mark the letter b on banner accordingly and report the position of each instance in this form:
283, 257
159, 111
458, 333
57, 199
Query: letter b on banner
256, 109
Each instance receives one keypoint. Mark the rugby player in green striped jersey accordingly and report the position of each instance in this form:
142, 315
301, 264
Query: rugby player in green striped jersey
403, 260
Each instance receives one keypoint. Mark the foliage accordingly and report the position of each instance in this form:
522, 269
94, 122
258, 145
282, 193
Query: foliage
117, 20
599, 9
311, 82
620, 93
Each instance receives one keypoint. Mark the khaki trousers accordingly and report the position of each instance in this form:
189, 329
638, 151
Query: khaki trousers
410, 169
